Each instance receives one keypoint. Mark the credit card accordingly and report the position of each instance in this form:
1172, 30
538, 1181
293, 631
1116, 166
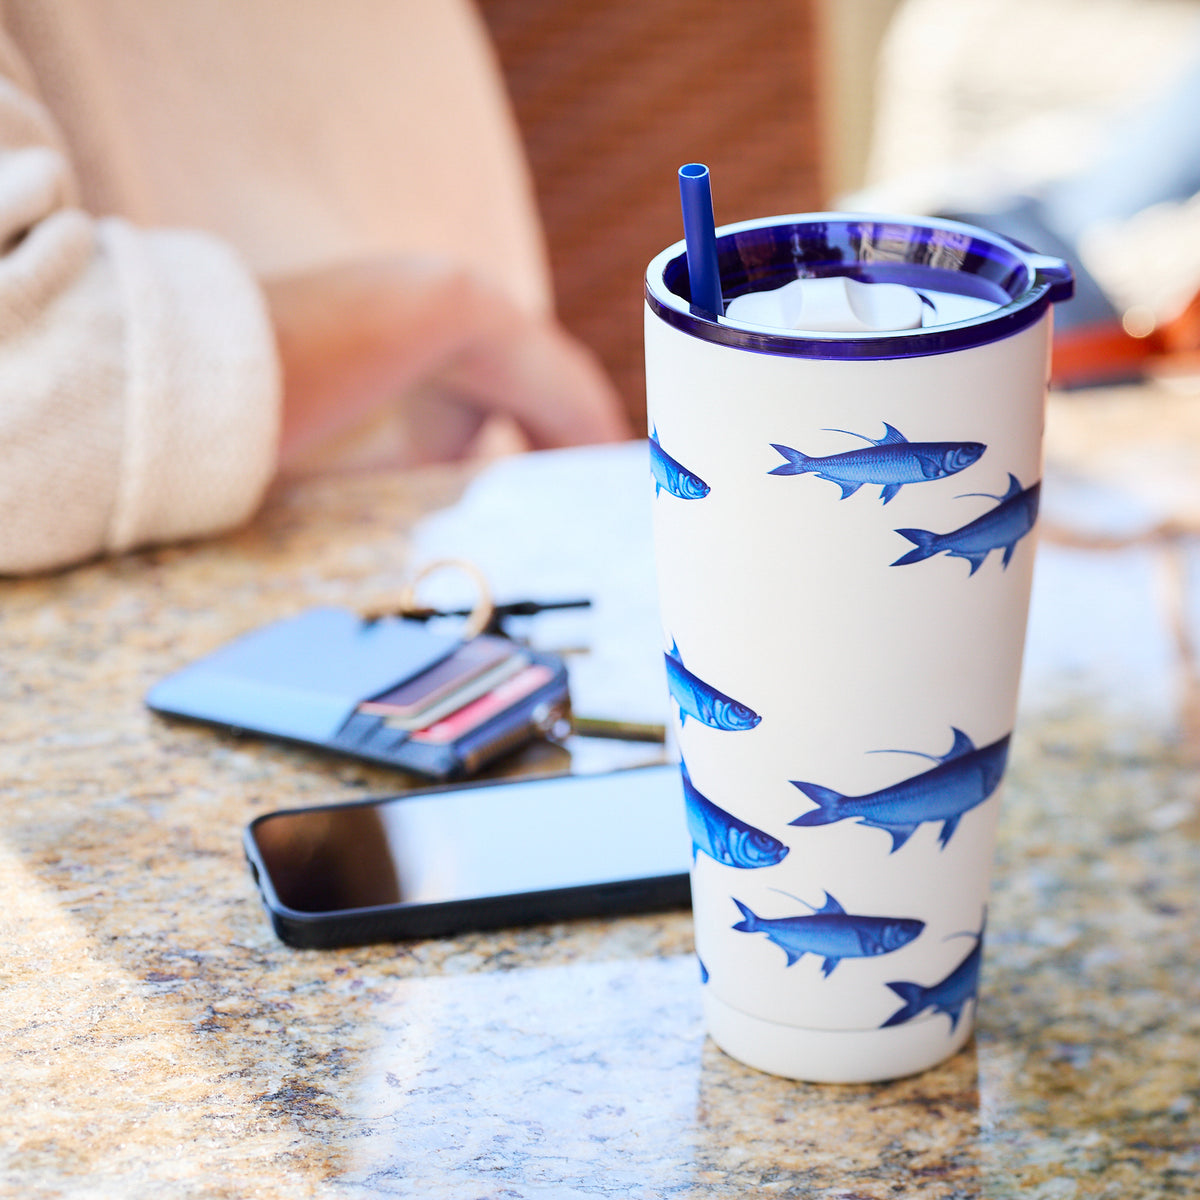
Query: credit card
478, 711
471, 690
415, 696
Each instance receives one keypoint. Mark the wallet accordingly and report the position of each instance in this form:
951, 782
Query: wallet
329, 678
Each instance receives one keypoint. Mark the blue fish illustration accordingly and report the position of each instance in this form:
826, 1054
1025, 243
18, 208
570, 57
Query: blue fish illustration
963, 778
697, 699
832, 932
1000, 528
722, 836
948, 995
892, 461
672, 475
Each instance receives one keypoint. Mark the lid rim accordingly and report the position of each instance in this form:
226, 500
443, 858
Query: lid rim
1046, 281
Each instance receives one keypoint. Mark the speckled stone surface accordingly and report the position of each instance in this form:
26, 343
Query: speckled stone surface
158, 1041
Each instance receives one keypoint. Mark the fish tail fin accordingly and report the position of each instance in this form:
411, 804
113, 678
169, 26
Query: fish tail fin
828, 803
796, 464
913, 995
924, 540
750, 923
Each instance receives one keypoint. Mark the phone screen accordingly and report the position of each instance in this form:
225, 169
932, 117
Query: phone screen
464, 844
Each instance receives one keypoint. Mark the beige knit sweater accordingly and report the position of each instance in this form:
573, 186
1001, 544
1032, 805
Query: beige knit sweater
158, 155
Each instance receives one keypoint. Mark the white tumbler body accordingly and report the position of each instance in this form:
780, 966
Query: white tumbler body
845, 552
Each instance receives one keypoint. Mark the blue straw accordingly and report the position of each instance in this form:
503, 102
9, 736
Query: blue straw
695, 193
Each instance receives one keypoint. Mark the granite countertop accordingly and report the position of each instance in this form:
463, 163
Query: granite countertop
158, 1041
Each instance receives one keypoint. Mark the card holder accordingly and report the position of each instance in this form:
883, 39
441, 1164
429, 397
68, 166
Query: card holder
302, 679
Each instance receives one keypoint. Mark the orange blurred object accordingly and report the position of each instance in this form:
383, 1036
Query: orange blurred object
1091, 355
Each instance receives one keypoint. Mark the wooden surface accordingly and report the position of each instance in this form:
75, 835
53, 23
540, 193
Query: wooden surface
613, 96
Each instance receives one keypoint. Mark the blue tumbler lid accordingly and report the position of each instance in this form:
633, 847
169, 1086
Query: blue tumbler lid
919, 252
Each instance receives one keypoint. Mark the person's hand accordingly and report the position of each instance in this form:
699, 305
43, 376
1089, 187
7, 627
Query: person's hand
360, 337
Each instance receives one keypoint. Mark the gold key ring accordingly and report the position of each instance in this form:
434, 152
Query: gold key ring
406, 600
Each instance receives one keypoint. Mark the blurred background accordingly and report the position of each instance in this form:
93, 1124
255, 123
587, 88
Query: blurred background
891, 105
613, 96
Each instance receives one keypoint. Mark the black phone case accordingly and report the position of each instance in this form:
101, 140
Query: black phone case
404, 922
302, 679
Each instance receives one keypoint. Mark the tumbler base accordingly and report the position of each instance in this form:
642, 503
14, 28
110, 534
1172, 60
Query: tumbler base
834, 1055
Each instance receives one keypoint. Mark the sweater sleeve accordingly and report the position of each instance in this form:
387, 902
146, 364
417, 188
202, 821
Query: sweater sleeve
139, 382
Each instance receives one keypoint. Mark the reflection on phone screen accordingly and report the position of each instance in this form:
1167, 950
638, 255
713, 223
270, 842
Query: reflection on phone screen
506, 839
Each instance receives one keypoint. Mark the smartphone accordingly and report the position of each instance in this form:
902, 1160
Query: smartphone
473, 856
